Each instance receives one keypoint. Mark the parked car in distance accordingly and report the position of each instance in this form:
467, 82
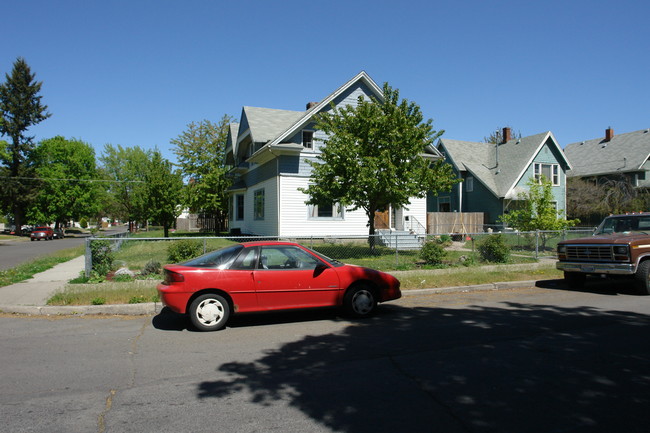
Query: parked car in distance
619, 248
264, 276
42, 232
58, 233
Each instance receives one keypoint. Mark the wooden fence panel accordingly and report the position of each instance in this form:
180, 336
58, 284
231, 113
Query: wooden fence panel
455, 222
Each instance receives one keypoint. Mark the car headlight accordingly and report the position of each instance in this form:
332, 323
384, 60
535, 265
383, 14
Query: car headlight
620, 250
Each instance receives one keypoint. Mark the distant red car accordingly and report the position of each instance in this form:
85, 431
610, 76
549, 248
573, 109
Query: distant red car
43, 232
263, 276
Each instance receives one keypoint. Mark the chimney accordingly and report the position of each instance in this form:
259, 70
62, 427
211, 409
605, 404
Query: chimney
311, 105
506, 135
609, 133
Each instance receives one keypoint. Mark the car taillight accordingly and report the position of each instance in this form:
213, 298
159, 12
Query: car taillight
173, 277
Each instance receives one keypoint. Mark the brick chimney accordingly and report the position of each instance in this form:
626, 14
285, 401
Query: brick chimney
311, 105
507, 135
609, 133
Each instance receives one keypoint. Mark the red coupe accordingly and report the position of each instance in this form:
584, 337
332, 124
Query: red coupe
263, 276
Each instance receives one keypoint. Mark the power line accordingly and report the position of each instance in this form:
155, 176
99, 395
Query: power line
71, 180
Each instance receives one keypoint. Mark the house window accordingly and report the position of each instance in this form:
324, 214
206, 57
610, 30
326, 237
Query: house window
308, 139
444, 204
239, 207
334, 211
549, 171
258, 204
469, 184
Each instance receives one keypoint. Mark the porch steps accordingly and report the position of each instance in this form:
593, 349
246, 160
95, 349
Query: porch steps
400, 240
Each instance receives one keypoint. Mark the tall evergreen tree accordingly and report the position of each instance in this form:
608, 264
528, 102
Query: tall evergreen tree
20, 108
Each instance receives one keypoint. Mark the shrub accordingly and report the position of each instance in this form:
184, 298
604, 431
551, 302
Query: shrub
151, 267
184, 249
433, 252
98, 301
445, 240
101, 254
494, 249
83, 223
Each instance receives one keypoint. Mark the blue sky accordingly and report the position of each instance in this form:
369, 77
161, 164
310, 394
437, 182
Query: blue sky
137, 72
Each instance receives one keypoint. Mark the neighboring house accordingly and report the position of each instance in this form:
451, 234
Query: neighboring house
612, 156
268, 151
493, 176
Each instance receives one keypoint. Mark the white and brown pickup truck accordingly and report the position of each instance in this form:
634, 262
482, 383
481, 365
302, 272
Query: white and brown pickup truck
620, 247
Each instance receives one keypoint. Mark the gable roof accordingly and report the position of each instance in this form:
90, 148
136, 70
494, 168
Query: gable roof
499, 168
307, 116
623, 153
266, 123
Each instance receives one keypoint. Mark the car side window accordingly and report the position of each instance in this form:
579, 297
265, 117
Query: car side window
246, 260
286, 258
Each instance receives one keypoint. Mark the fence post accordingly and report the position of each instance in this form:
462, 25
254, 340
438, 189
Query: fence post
537, 244
396, 250
88, 259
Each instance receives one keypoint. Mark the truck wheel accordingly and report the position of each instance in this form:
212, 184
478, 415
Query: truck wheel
642, 278
575, 280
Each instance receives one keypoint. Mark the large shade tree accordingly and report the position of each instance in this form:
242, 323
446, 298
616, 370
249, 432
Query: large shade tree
124, 169
20, 108
163, 187
374, 156
200, 150
69, 181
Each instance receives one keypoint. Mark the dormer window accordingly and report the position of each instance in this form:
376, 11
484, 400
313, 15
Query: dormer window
308, 139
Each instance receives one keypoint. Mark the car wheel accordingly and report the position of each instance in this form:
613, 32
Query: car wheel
209, 312
360, 301
642, 278
32, 240
575, 280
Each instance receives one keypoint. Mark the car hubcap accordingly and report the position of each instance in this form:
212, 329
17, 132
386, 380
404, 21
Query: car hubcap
362, 302
210, 312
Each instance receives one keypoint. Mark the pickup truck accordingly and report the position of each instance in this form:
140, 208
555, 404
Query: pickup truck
619, 248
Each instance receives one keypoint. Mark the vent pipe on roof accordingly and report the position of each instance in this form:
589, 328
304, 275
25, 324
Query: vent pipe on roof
311, 105
609, 133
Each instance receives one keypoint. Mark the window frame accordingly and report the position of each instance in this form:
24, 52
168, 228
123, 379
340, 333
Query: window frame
308, 144
258, 204
553, 169
239, 207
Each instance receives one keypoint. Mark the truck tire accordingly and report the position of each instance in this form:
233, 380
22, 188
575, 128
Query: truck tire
642, 277
575, 280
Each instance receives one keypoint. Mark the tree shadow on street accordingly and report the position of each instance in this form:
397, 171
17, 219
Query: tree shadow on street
508, 368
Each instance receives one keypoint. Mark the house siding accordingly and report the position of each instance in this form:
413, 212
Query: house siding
547, 155
294, 214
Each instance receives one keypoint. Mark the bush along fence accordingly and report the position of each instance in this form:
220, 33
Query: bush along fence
385, 252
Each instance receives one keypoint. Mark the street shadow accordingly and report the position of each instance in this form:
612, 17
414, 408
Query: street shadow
167, 320
511, 367
595, 285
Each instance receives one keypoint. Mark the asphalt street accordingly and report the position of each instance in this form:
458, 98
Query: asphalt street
542, 359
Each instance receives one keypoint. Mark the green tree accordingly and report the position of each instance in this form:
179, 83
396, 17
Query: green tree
163, 188
373, 157
69, 187
201, 156
537, 211
20, 108
125, 168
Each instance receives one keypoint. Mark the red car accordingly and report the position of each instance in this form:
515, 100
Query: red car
264, 276
41, 233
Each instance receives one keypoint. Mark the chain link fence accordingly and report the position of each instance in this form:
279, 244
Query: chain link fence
385, 251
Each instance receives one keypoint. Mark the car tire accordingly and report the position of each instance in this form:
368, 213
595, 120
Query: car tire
360, 301
575, 280
642, 278
209, 312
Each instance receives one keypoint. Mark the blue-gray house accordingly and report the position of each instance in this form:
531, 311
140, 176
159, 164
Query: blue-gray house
493, 175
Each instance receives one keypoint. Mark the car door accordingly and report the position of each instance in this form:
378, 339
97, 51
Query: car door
287, 276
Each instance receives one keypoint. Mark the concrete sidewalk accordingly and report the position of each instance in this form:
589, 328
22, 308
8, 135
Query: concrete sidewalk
30, 296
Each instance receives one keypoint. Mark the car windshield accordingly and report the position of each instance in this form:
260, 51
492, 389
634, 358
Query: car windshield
331, 261
624, 224
216, 259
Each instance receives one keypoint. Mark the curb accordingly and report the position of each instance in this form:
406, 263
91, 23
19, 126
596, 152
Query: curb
152, 308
